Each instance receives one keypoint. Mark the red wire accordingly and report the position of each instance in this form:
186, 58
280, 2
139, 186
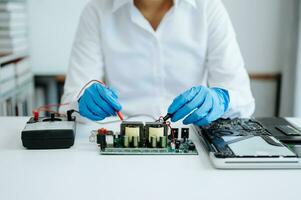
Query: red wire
52, 105
169, 125
50, 111
172, 134
46, 107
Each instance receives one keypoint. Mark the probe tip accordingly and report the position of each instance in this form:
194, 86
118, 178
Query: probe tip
120, 115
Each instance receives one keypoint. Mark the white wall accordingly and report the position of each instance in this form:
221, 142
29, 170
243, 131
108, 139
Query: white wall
267, 33
52, 24
262, 28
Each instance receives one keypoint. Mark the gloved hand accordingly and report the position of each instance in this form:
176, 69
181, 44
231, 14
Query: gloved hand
205, 105
98, 102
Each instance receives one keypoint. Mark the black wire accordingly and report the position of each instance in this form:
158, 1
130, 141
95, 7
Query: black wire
76, 111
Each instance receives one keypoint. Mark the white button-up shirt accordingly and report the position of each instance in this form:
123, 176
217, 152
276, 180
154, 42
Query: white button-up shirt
194, 45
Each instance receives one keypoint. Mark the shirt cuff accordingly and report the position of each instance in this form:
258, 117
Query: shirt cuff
239, 106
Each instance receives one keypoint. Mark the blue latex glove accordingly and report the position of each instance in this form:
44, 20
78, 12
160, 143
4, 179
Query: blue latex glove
204, 105
98, 102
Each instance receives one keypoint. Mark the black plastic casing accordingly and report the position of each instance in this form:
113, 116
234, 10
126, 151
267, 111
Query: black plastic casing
49, 139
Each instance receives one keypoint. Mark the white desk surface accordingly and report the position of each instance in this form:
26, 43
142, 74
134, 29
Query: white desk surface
82, 173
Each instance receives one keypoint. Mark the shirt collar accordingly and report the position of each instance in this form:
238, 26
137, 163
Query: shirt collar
119, 3
191, 2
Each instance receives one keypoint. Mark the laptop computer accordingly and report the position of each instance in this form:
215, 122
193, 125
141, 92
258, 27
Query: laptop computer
262, 143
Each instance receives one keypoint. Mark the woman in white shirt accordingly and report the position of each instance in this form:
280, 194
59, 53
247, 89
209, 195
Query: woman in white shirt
150, 51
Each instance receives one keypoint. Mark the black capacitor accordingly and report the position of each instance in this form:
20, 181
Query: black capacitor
115, 141
191, 147
101, 140
69, 115
185, 133
178, 143
142, 142
98, 138
174, 134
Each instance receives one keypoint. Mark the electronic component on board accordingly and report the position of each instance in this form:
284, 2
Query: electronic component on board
155, 130
153, 141
191, 146
174, 134
178, 143
126, 142
151, 138
110, 141
132, 129
105, 138
101, 140
135, 141
185, 133
163, 142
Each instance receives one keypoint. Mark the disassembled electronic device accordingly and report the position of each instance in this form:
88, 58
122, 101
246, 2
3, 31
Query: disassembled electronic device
282, 130
251, 143
151, 138
49, 132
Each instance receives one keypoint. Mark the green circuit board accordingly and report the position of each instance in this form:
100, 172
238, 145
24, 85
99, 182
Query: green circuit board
183, 150
152, 138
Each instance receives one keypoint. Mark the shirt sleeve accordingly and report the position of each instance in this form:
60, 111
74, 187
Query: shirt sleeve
225, 63
86, 61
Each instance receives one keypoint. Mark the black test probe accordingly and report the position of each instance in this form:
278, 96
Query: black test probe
167, 117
